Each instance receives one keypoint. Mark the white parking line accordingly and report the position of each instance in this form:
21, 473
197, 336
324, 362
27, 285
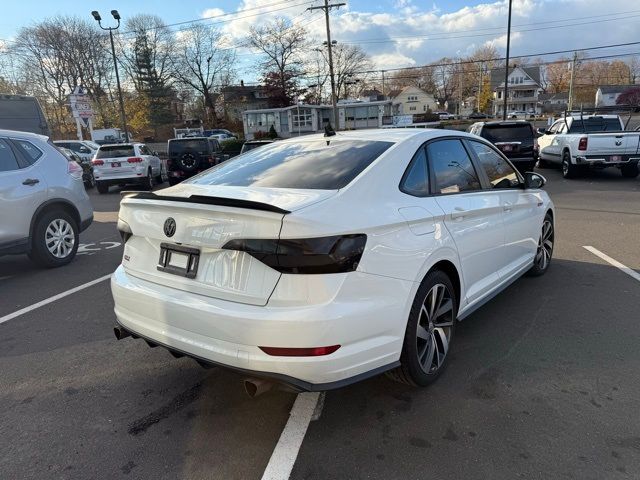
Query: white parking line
629, 271
42, 303
286, 451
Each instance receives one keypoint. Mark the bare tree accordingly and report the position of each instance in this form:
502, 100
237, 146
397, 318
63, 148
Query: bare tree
282, 45
201, 62
350, 62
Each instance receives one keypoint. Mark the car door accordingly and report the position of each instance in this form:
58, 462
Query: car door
548, 143
23, 189
473, 216
519, 208
154, 162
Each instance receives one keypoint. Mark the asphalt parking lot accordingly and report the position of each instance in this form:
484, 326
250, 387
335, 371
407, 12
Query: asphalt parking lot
543, 381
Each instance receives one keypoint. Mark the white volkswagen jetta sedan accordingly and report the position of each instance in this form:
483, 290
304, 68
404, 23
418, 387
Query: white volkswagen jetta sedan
324, 260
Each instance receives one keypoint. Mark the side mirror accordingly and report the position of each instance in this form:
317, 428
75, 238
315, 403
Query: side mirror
542, 131
534, 180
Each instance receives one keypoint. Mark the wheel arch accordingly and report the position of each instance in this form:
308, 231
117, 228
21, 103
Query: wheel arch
448, 267
51, 205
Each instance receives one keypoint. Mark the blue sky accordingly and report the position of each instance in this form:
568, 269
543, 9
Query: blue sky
395, 33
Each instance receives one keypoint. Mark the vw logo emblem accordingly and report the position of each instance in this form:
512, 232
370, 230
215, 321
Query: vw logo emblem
169, 227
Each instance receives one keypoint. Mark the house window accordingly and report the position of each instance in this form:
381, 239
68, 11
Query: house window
412, 108
302, 119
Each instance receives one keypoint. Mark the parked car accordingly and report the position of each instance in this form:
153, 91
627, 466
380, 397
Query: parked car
445, 116
22, 113
127, 163
85, 149
515, 139
323, 260
219, 131
251, 144
189, 156
579, 142
515, 114
44, 205
479, 116
87, 167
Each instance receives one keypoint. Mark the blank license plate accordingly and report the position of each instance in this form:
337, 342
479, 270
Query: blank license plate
507, 148
179, 260
115, 164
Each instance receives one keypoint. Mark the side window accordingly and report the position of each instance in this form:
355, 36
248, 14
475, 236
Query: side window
30, 152
144, 150
555, 127
8, 160
500, 173
451, 167
416, 179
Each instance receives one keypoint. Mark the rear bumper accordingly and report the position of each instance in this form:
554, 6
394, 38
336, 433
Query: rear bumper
369, 328
604, 161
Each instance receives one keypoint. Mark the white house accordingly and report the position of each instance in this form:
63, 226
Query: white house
412, 101
606, 95
524, 87
302, 119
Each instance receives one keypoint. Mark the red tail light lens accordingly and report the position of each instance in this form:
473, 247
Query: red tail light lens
74, 169
134, 160
97, 162
336, 254
299, 352
582, 145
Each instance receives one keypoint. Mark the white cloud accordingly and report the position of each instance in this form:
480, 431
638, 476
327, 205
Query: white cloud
212, 12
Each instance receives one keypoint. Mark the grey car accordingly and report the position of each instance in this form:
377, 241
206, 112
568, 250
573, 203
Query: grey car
43, 203
85, 149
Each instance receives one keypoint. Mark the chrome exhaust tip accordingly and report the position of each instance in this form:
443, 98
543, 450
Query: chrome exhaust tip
256, 386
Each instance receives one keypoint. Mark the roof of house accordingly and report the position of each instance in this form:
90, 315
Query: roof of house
616, 88
497, 74
543, 97
236, 93
395, 93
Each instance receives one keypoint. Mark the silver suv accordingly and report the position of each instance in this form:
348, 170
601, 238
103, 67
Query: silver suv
43, 204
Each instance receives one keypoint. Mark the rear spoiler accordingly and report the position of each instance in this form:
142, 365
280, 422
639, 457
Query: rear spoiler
206, 200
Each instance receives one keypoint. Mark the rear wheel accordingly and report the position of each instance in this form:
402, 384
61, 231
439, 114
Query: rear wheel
429, 332
148, 182
544, 253
102, 187
569, 170
630, 171
55, 239
90, 182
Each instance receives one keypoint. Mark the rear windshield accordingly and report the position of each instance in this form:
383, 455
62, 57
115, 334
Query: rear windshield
595, 124
179, 146
320, 164
115, 151
508, 133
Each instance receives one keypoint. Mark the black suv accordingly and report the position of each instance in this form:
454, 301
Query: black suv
515, 139
188, 156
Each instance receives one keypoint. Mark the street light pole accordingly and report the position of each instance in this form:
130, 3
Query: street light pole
116, 16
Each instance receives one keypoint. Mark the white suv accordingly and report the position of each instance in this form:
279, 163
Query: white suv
124, 163
43, 203
323, 260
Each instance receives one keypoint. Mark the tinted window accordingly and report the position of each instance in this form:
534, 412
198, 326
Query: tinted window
144, 150
452, 167
7, 158
179, 146
500, 173
318, 164
595, 124
508, 133
30, 152
92, 145
416, 179
115, 151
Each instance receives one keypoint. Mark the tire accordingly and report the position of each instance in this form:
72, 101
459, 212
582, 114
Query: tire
189, 161
102, 187
174, 181
543, 163
55, 239
148, 183
89, 184
569, 170
424, 356
544, 253
630, 171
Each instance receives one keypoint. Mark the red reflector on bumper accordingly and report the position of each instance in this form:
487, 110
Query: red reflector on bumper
299, 352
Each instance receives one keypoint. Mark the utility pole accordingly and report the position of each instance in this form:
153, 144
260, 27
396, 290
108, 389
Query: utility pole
334, 99
573, 75
479, 88
506, 69
383, 83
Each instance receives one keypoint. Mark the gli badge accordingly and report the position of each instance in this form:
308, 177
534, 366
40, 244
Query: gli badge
169, 227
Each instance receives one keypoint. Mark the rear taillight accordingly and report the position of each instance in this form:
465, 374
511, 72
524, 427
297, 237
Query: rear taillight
134, 160
582, 145
336, 254
299, 352
125, 230
74, 169
97, 163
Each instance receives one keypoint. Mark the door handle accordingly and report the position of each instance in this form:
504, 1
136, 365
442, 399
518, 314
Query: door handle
31, 181
458, 213
507, 207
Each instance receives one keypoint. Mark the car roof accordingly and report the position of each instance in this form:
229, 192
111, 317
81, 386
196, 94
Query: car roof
395, 135
120, 144
504, 123
15, 133
189, 138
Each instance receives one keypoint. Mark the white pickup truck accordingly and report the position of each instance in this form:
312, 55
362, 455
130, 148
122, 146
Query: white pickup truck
578, 142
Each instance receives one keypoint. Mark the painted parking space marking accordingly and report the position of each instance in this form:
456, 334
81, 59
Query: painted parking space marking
304, 409
612, 261
92, 248
49, 300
